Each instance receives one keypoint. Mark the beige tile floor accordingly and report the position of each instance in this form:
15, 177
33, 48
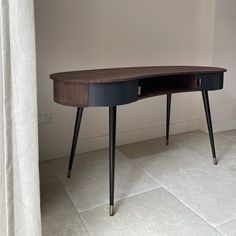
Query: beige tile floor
160, 190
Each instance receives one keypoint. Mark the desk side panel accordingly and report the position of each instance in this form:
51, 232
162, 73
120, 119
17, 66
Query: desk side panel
70, 94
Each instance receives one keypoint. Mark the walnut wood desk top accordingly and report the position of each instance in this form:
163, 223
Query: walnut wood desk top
117, 86
125, 74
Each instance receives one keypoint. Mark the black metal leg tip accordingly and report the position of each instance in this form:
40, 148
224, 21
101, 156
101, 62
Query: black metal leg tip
215, 161
111, 210
69, 174
167, 142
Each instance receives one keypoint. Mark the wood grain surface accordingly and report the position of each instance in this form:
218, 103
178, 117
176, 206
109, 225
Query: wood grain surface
125, 74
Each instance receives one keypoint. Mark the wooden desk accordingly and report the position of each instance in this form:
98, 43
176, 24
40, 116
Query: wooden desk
118, 86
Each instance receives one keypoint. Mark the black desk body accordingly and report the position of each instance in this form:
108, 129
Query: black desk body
118, 86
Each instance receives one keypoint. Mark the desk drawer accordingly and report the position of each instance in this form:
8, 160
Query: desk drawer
210, 81
113, 94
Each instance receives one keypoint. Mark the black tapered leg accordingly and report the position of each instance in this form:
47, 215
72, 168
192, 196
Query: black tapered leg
112, 145
75, 138
168, 106
209, 123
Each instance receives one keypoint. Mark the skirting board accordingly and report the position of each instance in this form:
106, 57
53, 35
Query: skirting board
95, 143
218, 126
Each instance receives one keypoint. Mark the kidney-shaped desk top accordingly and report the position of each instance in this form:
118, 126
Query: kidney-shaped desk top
117, 86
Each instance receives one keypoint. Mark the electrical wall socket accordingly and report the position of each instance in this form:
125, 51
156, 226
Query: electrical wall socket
46, 119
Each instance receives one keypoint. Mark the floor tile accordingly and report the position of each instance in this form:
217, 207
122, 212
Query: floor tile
146, 148
229, 228
228, 133
184, 168
199, 142
46, 172
207, 189
152, 213
229, 162
59, 217
88, 185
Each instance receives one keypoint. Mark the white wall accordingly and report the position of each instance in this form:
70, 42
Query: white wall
82, 34
223, 103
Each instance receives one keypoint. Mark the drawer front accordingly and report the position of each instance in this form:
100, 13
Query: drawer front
113, 94
210, 81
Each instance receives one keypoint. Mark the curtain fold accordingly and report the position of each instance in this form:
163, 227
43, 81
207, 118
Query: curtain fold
19, 175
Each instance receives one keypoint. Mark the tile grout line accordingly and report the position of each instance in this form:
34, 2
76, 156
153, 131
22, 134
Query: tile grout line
123, 132
186, 205
210, 224
202, 154
138, 141
229, 171
181, 145
224, 168
226, 221
85, 225
227, 137
222, 233
119, 199
79, 213
72, 205
107, 203
161, 186
136, 166
146, 173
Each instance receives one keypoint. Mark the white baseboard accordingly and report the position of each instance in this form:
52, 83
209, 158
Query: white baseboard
58, 150
218, 126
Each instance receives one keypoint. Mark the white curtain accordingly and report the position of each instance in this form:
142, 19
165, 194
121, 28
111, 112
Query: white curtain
19, 182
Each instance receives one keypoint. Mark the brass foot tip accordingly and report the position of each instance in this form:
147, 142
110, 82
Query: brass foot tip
111, 210
215, 161
69, 174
